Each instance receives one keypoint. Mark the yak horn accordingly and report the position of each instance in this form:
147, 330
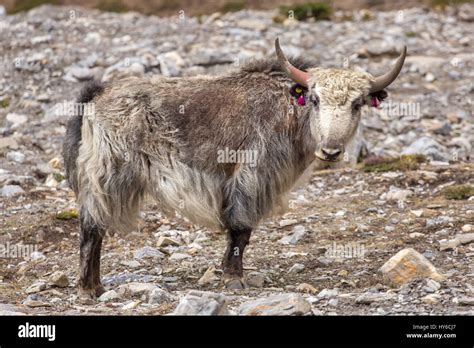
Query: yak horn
386, 79
298, 76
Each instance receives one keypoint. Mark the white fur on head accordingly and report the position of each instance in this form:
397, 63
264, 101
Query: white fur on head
336, 90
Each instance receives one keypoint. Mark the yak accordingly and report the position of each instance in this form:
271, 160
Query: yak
164, 137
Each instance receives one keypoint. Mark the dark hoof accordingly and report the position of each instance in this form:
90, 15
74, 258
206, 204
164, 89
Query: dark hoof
235, 283
91, 294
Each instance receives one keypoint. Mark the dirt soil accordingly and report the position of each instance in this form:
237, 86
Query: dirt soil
338, 207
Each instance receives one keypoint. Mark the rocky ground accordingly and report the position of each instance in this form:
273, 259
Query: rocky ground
325, 256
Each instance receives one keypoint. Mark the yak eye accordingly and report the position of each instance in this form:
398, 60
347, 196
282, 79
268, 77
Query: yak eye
314, 99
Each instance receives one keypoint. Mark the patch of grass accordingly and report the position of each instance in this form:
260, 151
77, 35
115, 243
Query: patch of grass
58, 177
4, 103
112, 6
67, 214
234, 6
278, 19
317, 10
458, 192
377, 164
445, 3
26, 5
410, 34
367, 16
168, 5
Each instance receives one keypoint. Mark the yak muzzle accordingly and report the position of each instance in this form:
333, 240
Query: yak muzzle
330, 154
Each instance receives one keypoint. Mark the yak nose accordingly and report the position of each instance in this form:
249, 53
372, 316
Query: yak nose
331, 154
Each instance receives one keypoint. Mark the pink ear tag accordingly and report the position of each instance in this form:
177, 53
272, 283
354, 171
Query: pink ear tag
374, 102
301, 100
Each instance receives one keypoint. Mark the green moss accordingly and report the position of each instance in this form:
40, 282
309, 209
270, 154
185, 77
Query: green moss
25, 5
4, 103
58, 177
378, 164
367, 17
410, 34
279, 19
458, 192
112, 6
234, 6
67, 214
318, 11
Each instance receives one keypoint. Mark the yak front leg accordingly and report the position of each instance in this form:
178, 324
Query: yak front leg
232, 264
90, 244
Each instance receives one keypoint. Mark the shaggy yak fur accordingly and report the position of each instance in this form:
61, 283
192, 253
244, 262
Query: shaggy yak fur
162, 136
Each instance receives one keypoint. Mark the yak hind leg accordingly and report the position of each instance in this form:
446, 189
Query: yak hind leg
90, 285
237, 240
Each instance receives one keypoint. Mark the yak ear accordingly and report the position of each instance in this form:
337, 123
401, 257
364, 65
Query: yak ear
380, 95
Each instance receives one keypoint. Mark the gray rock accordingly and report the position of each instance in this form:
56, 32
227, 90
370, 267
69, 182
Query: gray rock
461, 238
369, 297
44, 98
429, 147
396, 194
125, 68
109, 296
287, 222
431, 298
430, 77
37, 255
80, 73
59, 279
15, 120
179, 256
8, 143
202, 303
377, 48
10, 310
131, 263
283, 304
298, 234
431, 285
122, 278
159, 296
439, 221
296, 268
466, 301
171, 63
16, 156
36, 287
148, 252
11, 190
136, 290
209, 276
205, 55
35, 300
166, 241
255, 279
327, 294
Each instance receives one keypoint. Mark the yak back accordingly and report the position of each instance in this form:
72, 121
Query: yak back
247, 109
